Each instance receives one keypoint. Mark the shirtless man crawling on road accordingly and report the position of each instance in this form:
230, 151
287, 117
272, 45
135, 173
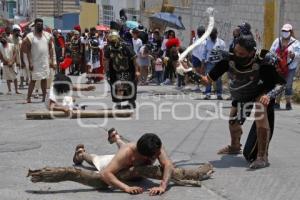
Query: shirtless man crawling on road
144, 152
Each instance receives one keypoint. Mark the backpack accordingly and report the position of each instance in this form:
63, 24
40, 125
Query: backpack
282, 54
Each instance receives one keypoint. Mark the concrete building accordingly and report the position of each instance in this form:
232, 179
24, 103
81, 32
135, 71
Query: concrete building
53, 8
55, 13
109, 10
8, 9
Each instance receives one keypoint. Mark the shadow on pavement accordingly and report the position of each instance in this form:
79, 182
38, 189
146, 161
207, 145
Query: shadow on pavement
228, 161
141, 182
59, 191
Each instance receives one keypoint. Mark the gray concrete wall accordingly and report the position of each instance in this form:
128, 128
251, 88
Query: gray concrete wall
230, 13
292, 14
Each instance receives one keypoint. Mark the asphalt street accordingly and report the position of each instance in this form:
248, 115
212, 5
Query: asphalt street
192, 130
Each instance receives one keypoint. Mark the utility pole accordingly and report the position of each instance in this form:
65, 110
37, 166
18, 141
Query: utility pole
270, 12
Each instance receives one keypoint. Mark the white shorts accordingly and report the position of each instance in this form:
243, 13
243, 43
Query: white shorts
100, 162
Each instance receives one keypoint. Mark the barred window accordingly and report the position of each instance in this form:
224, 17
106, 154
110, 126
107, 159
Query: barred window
108, 14
132, 14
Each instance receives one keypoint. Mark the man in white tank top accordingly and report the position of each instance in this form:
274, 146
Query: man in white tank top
39, 46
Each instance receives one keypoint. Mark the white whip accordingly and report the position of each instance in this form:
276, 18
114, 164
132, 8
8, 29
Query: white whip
208, 31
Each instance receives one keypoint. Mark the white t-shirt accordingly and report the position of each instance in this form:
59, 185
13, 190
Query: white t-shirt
209, 45
84, 41
137, 44
158, 65
64, 100
102, 43
198, 51
163, 45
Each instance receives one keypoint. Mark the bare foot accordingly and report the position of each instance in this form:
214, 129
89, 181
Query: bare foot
28, 101
18, 92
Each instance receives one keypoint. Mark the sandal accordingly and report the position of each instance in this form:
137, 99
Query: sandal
112, 133
259, 163
77, 159
230, 150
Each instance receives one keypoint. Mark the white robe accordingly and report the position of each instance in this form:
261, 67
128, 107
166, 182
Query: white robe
9, 73
40, 55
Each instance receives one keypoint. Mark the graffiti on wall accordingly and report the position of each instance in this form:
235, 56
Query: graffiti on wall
224, 30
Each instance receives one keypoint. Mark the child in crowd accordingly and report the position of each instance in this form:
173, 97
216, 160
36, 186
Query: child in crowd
159, 69
144, 61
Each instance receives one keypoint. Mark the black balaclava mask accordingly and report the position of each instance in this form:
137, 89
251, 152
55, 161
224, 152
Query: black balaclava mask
248, 43
242, 61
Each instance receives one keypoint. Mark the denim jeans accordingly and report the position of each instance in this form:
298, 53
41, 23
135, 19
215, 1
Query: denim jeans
289, 82
208, 68
159, 76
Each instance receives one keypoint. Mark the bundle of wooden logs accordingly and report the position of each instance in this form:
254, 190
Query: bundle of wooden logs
79, 114
180, 176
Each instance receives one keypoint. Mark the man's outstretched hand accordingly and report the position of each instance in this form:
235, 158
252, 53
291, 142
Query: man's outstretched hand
156, 191
134, 190
152, 192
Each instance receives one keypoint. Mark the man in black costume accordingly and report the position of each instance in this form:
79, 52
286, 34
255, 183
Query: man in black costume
122, 72
254, 82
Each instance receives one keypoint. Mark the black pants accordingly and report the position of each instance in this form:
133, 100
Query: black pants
250, 148
169, 72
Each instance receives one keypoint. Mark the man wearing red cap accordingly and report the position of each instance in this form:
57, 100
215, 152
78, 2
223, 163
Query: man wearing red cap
77, 28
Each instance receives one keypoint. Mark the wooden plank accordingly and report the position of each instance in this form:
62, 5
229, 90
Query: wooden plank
79, 114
